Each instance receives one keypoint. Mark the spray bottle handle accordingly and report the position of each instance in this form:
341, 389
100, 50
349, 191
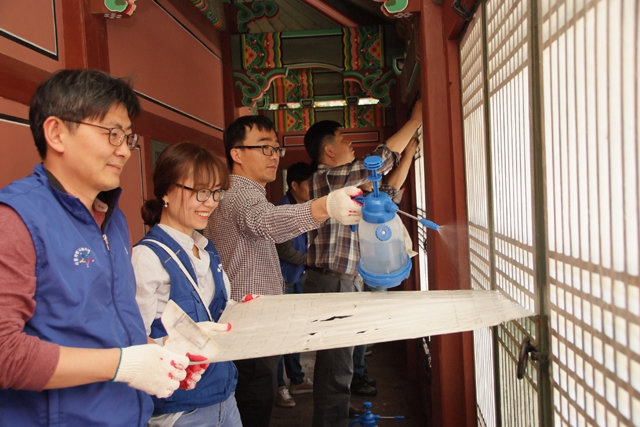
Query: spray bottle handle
359, 199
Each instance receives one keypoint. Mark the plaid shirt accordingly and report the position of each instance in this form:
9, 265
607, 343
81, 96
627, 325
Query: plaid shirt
245, 228
334, 246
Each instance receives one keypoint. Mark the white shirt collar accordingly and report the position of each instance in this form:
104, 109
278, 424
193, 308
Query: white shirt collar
185, 240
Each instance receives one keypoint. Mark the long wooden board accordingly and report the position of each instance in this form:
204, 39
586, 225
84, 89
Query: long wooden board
282, 324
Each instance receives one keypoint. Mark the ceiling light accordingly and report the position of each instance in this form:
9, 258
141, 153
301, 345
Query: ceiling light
324, 103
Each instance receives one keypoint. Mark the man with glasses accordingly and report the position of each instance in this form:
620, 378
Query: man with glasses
246, 227
72, 343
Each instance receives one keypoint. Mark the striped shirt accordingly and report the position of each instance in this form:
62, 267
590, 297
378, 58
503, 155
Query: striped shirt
334, 246
245, 228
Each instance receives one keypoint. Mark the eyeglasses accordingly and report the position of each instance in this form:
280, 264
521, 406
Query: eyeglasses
204, 194
267, 150
116, 135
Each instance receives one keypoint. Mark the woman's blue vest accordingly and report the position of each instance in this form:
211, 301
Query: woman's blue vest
219, 380
85, 297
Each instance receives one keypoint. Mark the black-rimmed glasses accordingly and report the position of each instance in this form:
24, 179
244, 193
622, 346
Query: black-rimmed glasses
204, 194
116, 135
267, 150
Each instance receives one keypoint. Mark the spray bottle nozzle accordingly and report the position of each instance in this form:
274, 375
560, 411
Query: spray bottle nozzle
429, 224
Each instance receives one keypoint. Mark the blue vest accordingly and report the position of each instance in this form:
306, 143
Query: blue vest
219, 380
291, 273
85, 297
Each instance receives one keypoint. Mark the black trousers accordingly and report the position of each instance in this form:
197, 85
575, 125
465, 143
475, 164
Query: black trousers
333, 369
256, 390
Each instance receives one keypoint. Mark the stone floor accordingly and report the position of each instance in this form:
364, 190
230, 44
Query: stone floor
397, 394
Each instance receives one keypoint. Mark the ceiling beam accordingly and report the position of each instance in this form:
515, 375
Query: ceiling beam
341, 19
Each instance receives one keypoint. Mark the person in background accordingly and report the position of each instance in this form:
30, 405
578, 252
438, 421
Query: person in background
293, 258
175, 262
334, 251
361, 383
246, 227
73, 349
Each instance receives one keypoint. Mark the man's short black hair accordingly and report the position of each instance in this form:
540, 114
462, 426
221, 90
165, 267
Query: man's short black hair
77, 95
299, 172
318, 135
237, 132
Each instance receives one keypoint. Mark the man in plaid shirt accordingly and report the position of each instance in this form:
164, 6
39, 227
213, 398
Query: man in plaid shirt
245, 229
334, 251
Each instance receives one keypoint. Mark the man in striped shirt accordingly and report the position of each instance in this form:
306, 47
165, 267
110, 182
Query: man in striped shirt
245, 229
334, 251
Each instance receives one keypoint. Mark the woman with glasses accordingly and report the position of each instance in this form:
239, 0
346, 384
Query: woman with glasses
175, 262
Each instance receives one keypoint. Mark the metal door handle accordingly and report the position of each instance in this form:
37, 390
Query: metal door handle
526, 347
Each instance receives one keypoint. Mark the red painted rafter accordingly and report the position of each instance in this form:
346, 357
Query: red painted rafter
341, 19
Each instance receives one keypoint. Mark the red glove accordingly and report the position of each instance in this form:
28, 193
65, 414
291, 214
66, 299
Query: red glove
249, 297
194, 372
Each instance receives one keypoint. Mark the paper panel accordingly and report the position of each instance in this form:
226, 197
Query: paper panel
283, 324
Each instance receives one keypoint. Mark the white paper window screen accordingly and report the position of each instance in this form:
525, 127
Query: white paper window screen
472, 76
421, 212
498, 160
508, 86
509, 112
590, 65
590, 97
484, 374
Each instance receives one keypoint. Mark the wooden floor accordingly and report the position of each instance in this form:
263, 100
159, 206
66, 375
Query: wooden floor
397, 394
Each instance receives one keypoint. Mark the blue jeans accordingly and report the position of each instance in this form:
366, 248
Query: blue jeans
292, 365
224, 414
359, 362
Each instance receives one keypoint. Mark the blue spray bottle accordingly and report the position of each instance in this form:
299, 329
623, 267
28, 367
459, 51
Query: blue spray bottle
384, 261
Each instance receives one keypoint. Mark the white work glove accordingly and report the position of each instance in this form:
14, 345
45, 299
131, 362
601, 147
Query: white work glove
184, 336
179, 343
342, 207
194, 372
151, 368
211, 328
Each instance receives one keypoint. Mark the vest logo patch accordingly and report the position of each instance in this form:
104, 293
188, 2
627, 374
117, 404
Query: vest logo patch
82, 256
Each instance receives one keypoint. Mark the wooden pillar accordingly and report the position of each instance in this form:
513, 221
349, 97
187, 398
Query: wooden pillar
85, 36
452, 384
